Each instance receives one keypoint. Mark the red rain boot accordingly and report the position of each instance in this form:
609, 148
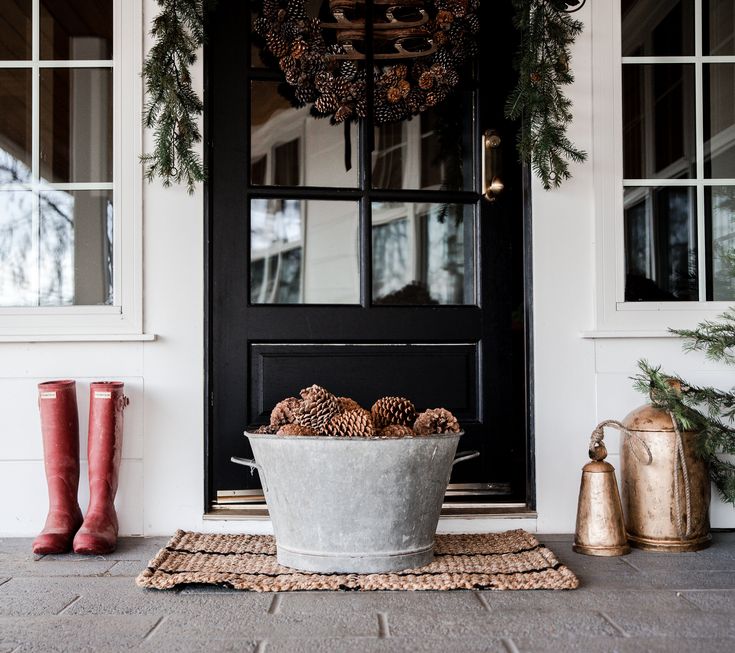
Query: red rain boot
98, 534
57, 403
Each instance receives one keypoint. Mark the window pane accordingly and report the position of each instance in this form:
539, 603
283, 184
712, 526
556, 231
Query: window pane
299, 150
76, 124
18, 251
719, 120
78, 29
720, 215
661, 244
255, 59
658, 121
75, 249
15, 29
658, 28
15, 125
719, 27
423, 253
432, 151
304, 252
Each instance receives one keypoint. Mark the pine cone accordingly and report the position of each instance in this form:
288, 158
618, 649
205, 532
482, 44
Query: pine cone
396, 431
426, 81
393, 410
296, 429
352, 424
285, 412
317, 408
346, 404
265, 429
436, 421
394, 94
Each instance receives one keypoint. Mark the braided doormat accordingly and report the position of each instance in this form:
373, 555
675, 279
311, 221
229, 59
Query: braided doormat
513, 560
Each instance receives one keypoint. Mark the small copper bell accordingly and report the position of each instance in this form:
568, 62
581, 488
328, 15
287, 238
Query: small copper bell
600, 527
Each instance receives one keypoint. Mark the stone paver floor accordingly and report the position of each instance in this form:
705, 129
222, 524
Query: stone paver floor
640, 602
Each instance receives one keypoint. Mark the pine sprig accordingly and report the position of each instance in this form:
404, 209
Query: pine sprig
173, 106
543, 66
716, 339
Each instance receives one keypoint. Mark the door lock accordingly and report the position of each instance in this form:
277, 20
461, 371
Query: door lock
492, 182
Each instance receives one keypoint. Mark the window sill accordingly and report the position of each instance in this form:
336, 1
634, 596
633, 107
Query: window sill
627, 335
125, 337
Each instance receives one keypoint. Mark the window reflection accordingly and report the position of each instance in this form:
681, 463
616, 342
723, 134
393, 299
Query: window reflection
76, 30
304, 252
719, 27
63, 256
15, 30
15, 126
720, 207
719, 120
423, 254
289, 147
661, 244
658, 28
658, 121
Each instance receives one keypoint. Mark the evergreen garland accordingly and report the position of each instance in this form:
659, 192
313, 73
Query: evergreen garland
173, 107
708, 411
547, 32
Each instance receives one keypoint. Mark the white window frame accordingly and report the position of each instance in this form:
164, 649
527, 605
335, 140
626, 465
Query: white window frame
123, 320
614, 316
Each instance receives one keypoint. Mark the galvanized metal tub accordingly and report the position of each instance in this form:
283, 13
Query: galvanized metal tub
354, 505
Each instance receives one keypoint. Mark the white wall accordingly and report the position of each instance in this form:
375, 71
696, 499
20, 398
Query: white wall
578, 381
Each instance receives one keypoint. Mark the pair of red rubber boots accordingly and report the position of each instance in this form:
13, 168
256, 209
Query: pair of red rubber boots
96, 533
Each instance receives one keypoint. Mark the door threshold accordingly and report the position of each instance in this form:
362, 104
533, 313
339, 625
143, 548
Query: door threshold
470, 511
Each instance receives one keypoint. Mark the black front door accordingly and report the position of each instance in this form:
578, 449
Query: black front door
389, 276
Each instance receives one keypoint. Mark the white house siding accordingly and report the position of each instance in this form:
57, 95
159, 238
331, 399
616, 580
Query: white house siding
577, 381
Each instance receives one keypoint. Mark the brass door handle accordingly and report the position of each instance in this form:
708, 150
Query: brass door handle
492, 182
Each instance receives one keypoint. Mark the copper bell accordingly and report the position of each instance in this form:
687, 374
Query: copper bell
600, 527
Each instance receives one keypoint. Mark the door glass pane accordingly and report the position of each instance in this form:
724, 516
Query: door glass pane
658, 28
76, 124
719, 27
15, 29
15, 125
75, 251
18, 251
658, 121
423, 253
720, 216
76, 30
661, 244
295, 149
719, 120
431, 151
304, 252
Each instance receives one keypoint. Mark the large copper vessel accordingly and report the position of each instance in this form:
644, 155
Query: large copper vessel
665, 502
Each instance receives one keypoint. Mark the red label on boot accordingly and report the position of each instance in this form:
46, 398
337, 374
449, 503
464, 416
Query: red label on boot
48, 395
102, 395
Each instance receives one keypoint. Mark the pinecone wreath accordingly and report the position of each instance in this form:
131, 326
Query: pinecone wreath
351, 424
436, 421
317, 408
284, 412
393, 410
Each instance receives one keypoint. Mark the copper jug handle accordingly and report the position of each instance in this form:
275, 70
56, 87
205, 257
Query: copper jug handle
596, 441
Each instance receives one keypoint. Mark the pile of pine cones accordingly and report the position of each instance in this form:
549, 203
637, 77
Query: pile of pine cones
319, 412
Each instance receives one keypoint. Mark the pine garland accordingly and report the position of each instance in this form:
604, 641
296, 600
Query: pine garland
173, 106
547, 33
708, 411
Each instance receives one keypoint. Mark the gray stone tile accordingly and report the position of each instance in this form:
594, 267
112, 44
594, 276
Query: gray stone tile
18, 597
712, 600
502, 623
128, 548
45, 568
127, 568
15, 545
183, 646
683, 580
78, 633
675, 562
329, 602
213, 626
648, 623
586, 599
386, 645
554, 537
623, 645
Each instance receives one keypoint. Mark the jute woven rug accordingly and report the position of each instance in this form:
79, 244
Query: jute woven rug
513, 560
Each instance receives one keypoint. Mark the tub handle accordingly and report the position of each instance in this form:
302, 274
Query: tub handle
246, 462
464, 455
